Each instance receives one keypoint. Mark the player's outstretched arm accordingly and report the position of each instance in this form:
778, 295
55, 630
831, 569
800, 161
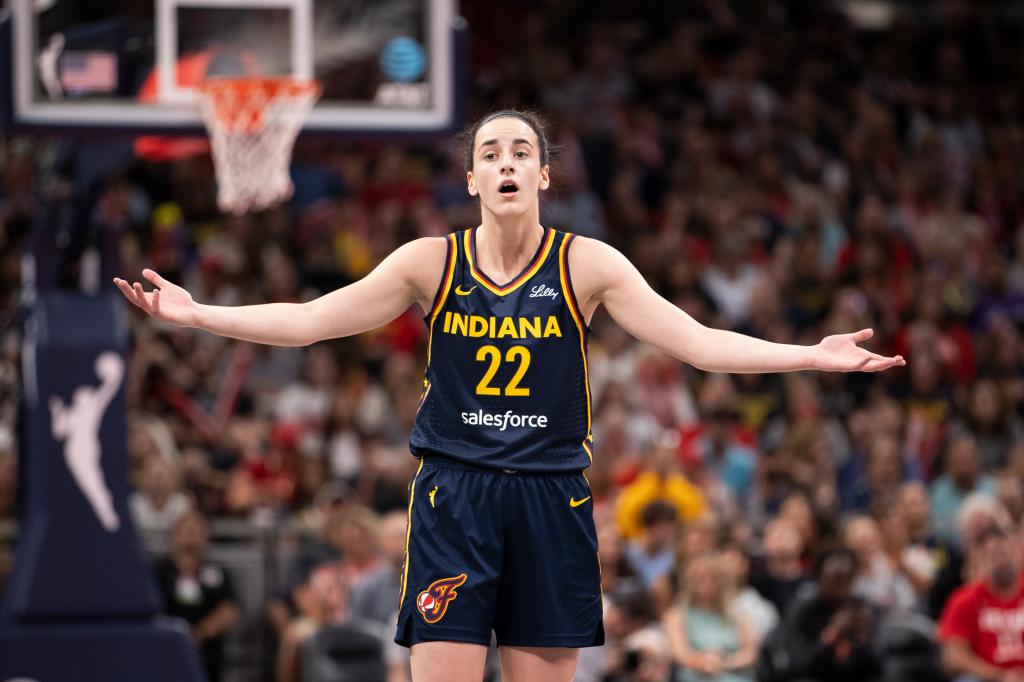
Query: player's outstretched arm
602, 275
406, 276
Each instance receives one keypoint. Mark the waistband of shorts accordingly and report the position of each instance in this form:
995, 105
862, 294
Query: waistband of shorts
441, 461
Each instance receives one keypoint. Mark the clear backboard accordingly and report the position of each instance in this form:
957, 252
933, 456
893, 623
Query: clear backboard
385, 65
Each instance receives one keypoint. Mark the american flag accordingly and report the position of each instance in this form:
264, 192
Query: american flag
87, 72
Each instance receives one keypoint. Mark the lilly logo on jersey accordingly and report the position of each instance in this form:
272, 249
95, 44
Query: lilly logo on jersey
433, 601
542, 291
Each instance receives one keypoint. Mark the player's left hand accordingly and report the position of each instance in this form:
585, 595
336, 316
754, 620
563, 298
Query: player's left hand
840, 353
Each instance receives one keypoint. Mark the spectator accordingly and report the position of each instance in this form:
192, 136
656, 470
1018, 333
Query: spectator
982, 626
929, 407
652, 555
628, 611
731, 278
913, 559
885, 471
344, 450
292, 598
659, 392
880, 579
933, 564
763, 615
798, 509
662, 479
730, 460
647, 658
710, 640
991, 422
829, 635
824, 434
267, 476
611, 550
348, 541
373, 594
913, 508
782, 576
329, 615
198, 590
308, 402
149, 437
963, 477
158, 504
311, 478
699, 537
977, 513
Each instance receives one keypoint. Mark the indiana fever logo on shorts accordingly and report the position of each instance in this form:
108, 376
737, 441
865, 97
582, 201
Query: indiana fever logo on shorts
433, 601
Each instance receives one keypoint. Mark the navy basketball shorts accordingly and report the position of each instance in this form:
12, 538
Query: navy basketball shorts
511, 552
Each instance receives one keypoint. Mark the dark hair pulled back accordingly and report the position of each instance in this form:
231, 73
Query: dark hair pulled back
536, 123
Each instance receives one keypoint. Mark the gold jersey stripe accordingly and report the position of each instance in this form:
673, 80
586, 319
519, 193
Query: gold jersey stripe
408, 534
448, 276
563, 276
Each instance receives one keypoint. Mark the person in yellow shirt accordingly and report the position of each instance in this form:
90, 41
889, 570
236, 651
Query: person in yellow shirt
662, 479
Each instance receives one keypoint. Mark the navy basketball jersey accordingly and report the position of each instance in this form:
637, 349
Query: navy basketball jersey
506, 383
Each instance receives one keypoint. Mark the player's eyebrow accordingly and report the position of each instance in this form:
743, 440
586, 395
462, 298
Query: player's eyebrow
518, 140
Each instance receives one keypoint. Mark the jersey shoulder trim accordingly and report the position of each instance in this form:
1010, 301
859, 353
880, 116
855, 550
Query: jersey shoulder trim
446, 278
539, 258
565, 277
442, 291
577, 317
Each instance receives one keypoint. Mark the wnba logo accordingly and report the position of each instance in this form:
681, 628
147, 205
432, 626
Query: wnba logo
433, 601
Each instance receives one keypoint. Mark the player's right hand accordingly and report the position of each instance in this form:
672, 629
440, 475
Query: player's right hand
167, 302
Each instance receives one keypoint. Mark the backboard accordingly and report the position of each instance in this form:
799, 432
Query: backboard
385, 65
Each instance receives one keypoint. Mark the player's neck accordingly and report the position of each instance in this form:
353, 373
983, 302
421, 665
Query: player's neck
505, 245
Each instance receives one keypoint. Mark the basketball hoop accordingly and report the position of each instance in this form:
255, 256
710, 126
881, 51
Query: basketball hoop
252, 124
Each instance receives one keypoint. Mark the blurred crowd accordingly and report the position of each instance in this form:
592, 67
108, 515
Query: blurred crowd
778, 168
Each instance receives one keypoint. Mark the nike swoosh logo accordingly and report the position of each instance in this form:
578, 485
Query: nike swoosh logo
460, 292
573, 502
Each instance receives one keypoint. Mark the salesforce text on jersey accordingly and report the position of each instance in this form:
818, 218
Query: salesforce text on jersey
503, 421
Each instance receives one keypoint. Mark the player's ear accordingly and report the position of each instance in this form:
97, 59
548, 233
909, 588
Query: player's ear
470, 183
545, 176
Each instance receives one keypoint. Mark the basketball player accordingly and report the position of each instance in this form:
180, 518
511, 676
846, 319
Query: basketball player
501, 535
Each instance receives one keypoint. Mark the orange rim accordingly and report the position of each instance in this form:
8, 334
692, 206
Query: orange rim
238, 103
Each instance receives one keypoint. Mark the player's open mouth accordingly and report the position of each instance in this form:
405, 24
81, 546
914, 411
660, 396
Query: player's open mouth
508, 187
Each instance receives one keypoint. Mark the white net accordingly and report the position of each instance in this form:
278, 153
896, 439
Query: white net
252, 124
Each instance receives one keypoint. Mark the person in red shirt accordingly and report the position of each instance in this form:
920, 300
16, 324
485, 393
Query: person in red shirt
982, 626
